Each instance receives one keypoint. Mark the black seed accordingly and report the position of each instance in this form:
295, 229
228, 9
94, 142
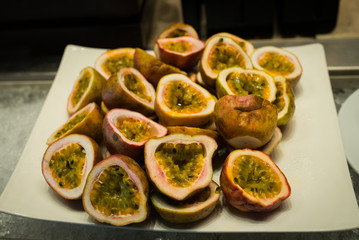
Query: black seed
61, 184
218, 189
135, 187
135, 206
50, 164
220, 40
179, 86
190, 175
236, 180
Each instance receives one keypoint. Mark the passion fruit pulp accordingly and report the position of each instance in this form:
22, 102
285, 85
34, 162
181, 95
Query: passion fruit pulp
251, 181
67, 163
126, 132
221, 53
87, 89
181, 102
129, 89
117, 191
179, 165
197, 207
182, 52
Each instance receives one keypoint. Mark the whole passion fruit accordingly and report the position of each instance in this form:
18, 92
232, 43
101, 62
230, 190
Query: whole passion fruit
67, 163
129, 89
239, 81
181, 102
179, 165
245, 121
126, 132
117, 191
193, 209
87, 89
277, 61
285, 100
111, 61
244, 44
252, 182
151, 67
87, 121
182, 52
220, 53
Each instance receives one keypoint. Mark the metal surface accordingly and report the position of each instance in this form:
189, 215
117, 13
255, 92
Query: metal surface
21, 102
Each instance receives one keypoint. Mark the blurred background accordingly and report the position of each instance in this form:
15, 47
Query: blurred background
39, 30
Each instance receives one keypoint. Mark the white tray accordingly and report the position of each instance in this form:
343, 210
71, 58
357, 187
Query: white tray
311, 155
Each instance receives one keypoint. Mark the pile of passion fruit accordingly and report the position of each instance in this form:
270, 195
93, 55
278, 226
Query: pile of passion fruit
144, 129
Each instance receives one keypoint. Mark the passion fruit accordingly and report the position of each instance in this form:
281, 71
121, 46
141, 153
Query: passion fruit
245, 121
193, 209
179, 165
244, 44
151, 67
192, 131
277, 61
178, 30
129, 89
221, 53
111, 61
252, 182
284, 101
87, 121
67, 163
269, 147
182, 52
117, 191
126, 132
181, 102
87, 89
239, 81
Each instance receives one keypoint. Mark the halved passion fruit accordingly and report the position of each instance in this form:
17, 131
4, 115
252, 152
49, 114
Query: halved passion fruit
182, 52
179, 165
151, 67
239, 81
245, 121
244, 44
116, 191
284, 101
193, 209
87, 121
277, 61
87, 89
129, 89
111, 61
252, 182
220, 53
181, 102
178, 30
126, 132
67, 162
192, 131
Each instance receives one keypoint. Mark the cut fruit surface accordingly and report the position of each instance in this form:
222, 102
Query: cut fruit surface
180, 101
117, 191
244, 44
179, 165
251, 181
67, 163
284, 101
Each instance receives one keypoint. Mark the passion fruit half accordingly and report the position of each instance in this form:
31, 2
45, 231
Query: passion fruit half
181, 102
193, 209
221, 53
67, 163
178, 30
278, 61
87, 89
117, 191
126, 132
129, 89
245, 121
151, 67
192, 131
111, 61
182, 52
87, 121
285, 100
179, 165
252, 182
239, 81
244, 44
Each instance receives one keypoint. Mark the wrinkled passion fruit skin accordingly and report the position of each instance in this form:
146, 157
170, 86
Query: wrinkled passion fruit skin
245, 116
244, 201
152, 68
128, 177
